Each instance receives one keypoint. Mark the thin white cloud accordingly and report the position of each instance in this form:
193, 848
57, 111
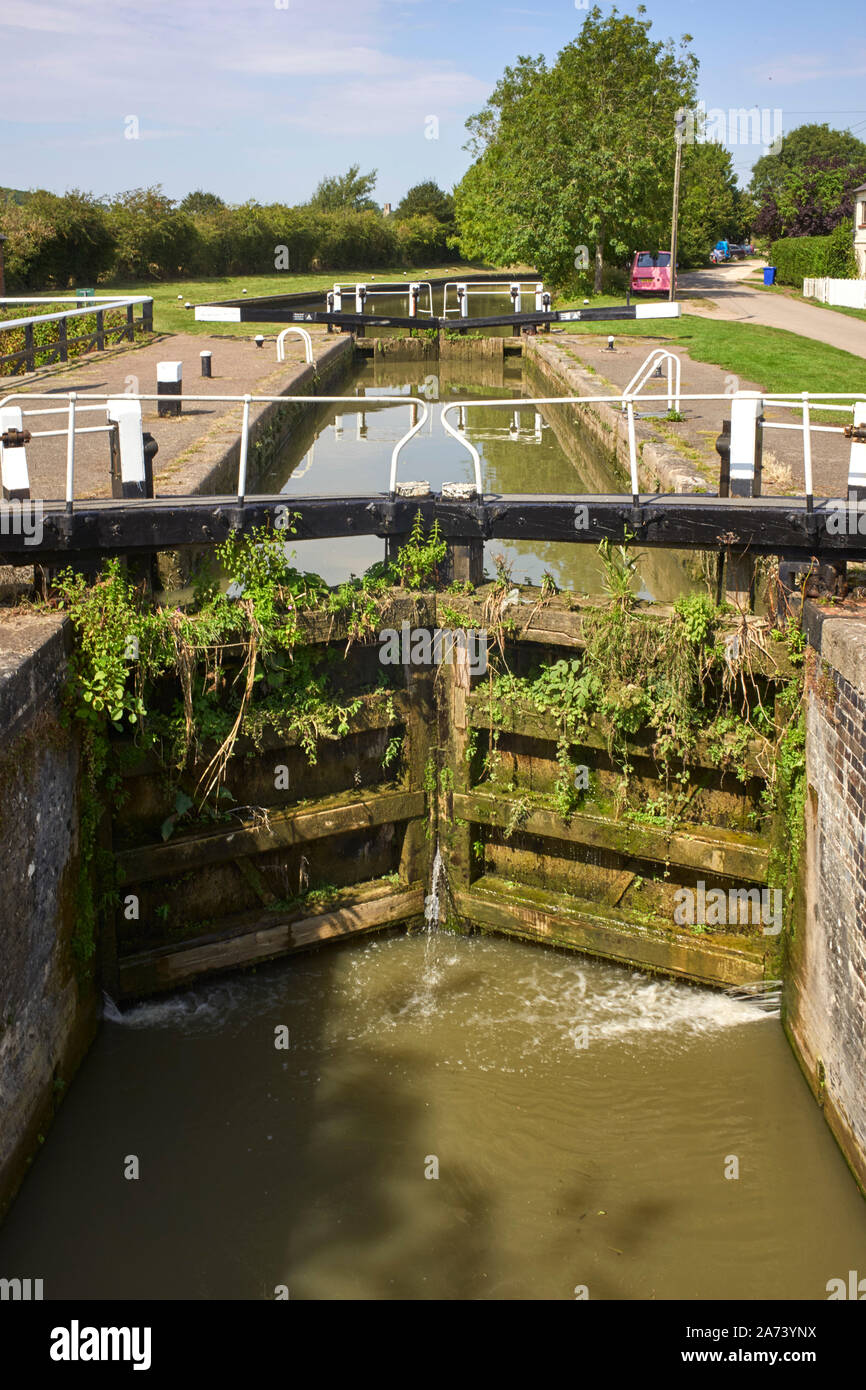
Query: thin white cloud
366, 108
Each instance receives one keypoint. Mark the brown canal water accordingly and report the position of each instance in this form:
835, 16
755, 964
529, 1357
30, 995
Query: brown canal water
346, 451
565, 1157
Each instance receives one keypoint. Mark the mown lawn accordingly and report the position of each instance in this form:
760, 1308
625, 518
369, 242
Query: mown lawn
776, 359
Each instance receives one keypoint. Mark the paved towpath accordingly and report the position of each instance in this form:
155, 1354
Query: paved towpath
239, 367
695, 436
732, 298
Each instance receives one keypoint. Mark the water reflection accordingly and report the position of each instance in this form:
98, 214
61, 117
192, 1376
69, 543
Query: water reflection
523, 449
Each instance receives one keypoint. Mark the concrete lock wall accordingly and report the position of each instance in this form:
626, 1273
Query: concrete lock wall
48, 1011
825, 1015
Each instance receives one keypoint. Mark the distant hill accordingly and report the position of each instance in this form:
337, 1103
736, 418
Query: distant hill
13, 195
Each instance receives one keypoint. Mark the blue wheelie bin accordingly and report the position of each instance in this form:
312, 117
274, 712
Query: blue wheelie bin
769, 275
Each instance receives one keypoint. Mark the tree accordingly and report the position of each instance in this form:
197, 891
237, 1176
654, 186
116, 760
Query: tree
152, 237
199, 202
349, 192
580, 154
56, 241
804, 144
709, 201
811, 199
427, 200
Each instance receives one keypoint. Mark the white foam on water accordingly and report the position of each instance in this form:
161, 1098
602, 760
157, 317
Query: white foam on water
431, 902
206, 1009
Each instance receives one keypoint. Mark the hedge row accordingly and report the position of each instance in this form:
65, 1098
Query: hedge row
798, 258
58, 243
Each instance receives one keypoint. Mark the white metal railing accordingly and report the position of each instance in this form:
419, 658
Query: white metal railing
386, 289
308, 343
94, 303
464, 288
418, 406
747, 419
654, 364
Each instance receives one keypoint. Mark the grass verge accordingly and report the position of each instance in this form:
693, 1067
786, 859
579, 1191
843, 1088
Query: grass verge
773, 357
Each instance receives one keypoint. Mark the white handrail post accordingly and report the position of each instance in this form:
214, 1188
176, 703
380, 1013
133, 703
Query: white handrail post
245, 444
807, 449
461, 438
670, 367
632, 453
395, 453
70, 454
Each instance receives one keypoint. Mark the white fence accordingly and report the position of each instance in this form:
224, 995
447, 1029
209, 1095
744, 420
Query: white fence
849, 294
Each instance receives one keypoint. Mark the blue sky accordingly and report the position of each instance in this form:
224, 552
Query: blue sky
259, 98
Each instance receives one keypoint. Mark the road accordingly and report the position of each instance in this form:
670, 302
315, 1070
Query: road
732, 299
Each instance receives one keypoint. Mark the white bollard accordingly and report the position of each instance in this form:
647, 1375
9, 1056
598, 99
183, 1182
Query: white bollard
463, 299
414, 292
857, 458
338, 300
514, 291
13, 461
169, 384
129, 474
746, 411
360, 296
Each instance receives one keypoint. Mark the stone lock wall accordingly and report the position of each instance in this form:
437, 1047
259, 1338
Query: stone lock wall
825, 1014
48, 1004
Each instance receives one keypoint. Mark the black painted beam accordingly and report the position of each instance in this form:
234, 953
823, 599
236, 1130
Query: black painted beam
275, 312
760, 526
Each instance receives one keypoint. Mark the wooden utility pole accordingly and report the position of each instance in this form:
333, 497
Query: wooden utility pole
679, 129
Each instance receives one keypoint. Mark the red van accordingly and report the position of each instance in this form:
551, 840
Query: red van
651, 272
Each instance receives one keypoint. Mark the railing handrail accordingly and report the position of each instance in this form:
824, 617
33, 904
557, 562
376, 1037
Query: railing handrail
410, 433
461, 438
101, 306
484, 287
308, 343
643, 373
803, 400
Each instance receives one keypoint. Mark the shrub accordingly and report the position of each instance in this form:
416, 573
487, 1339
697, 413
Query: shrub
797, 258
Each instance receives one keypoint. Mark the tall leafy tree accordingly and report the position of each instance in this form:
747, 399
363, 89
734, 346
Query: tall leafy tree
709, 201
427, 199
804, 145
579, 154
349, 192
200, 202
813, 199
